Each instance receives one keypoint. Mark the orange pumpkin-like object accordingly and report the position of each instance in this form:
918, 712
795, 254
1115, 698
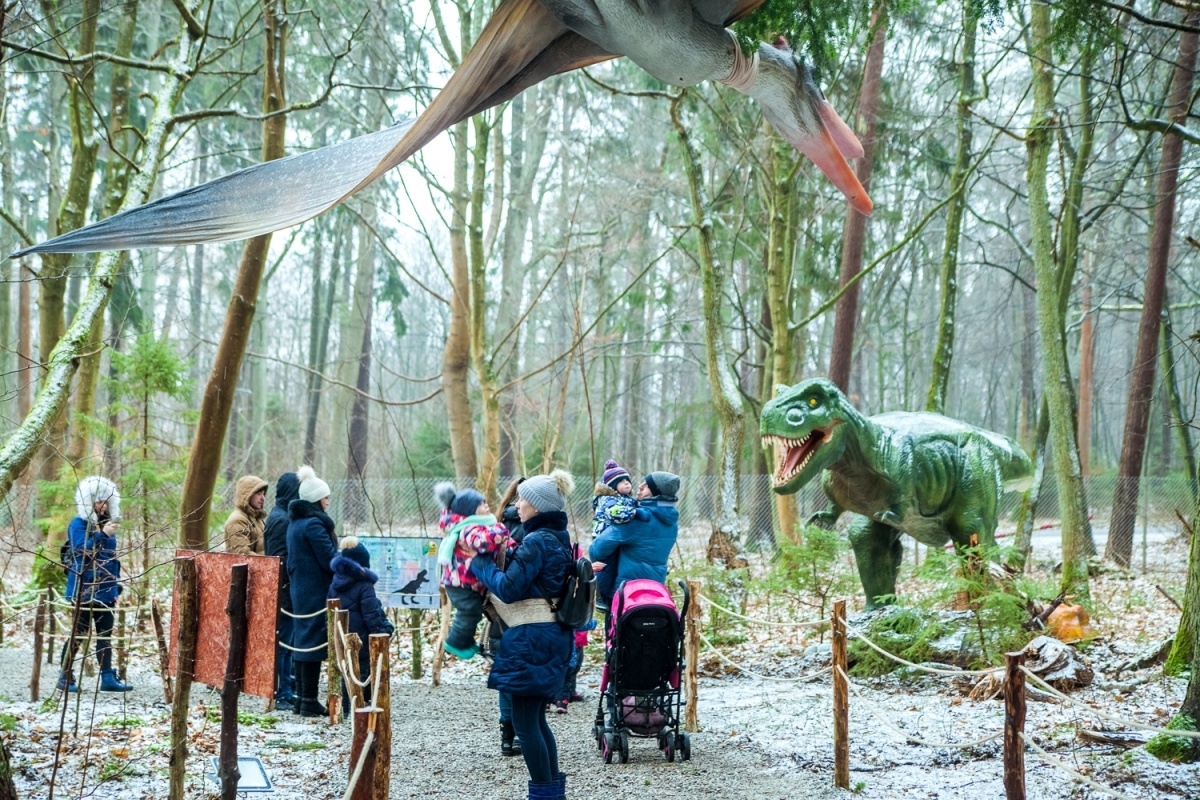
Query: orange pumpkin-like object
1069, 624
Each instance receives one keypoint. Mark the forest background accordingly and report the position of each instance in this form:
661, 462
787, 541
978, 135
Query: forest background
603, 266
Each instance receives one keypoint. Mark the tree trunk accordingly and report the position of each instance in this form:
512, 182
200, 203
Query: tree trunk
727, 397
1141, 382
1076, 529
318, 361
943, 352
456, 357
1175, 402
1087, 359
204, 463
488, 383
855, 232
1185, 655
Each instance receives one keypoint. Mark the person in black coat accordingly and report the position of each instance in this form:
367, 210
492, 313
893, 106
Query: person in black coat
311, 547
535, 649
510, 745
287, 489
354, 585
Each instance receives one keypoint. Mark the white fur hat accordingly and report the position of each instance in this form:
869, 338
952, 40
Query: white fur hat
312, 488
92, 490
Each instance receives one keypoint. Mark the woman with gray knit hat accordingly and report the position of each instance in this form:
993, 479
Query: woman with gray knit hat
641, 547
535, 649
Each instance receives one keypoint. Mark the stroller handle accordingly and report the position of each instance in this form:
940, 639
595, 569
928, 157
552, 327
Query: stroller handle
687, 599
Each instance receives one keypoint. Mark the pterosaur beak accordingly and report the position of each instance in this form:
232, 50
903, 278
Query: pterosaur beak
822, 149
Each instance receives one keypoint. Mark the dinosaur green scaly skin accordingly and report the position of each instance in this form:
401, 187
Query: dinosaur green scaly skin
931, 477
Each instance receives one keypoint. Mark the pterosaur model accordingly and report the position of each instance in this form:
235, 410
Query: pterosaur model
680, 42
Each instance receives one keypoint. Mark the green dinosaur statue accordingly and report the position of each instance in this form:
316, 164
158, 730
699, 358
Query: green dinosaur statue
932, 477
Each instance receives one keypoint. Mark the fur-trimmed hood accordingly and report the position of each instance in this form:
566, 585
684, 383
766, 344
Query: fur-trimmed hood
247, 487
604, 490
93, 489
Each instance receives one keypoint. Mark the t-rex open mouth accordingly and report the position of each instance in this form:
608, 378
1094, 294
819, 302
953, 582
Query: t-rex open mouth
793, 455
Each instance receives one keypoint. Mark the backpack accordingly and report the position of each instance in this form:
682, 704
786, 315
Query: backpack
578, 602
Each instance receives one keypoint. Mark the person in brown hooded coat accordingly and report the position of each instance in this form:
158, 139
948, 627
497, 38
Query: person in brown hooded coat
244, 528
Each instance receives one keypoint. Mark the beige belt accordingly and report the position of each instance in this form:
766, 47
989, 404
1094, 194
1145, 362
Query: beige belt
523, 612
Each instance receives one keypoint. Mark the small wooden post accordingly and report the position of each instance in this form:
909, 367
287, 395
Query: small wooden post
235, 671
352, 649
164, 654
366, 720
1014, 726
51, 625
439, 649
841, 700
35, 674
185, 663
414, 622
381, 690
691, 653
333, 675
121, 645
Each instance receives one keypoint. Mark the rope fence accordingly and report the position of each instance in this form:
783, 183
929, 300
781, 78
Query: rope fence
754, 674
1054, 762
1119, 720
810, 624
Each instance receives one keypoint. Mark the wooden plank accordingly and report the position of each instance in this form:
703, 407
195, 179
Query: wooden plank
692, 623
333, 674
1014, 726
185, 625
164, 653
841, 700
35, 674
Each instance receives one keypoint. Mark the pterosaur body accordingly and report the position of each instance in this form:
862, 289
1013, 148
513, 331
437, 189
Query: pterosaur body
679, 42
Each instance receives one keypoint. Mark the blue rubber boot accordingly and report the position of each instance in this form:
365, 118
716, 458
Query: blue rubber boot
562, 787
109, 682
66, 682
465, 653
543, 791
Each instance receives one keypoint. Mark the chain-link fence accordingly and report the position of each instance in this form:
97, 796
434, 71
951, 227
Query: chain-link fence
406, 507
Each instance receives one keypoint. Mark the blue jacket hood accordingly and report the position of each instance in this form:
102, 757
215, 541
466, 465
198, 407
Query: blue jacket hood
287, 489
347, 572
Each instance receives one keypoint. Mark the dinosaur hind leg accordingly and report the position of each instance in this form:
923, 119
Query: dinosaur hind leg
878, 551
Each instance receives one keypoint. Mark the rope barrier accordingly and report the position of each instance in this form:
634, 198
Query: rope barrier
813, 624
375, 689
751, 673
909, 736
1120, 720
316, 613
358, 768
898, 659
1054, 762
344, 660
303, 649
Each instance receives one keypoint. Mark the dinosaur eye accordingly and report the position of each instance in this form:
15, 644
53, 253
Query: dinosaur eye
812, 401
794, 416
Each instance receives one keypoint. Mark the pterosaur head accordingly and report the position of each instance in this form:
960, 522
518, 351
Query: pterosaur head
794, 105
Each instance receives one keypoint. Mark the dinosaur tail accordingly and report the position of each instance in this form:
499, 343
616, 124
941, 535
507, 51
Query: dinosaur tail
1016, 468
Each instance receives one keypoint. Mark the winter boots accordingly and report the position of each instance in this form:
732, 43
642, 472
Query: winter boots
555, 790
510, 745
305, 703
66, 682
109, 682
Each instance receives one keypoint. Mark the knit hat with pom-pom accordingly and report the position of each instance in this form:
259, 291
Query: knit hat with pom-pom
548, 492
352, 549
312, 488
614, 474
463, 503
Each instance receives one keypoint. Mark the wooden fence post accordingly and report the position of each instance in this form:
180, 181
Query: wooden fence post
121, 645
351, 649
185, 662
164, 654
841, 700
691, 652
381, 689
362, 781
414, 622
51, 625
235, 671
1014, 726
35, 674
439, 650
333, 674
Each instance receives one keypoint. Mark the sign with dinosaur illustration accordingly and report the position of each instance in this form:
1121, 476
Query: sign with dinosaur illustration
407, 569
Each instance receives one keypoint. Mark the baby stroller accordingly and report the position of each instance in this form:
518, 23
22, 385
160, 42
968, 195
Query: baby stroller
643, 660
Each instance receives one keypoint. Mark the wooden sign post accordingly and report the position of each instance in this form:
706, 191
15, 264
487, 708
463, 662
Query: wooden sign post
841, 700
1014, 726
691, 653
235, 670
185, 622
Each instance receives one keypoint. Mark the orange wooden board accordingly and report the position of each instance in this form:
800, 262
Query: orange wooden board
212, 636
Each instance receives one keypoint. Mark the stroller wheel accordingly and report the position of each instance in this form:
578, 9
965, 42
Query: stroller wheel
598, 735
664, 741
683, 743
669, 752
607, 746
624, 742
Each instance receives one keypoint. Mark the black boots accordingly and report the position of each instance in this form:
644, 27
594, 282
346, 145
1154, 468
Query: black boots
305, 703
509, 744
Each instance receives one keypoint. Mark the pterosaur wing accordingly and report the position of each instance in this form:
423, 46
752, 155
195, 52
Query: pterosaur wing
242, 204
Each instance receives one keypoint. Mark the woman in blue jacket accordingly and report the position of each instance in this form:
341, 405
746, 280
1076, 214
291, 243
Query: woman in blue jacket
535, 649
643, 544
311, 547
90, 558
